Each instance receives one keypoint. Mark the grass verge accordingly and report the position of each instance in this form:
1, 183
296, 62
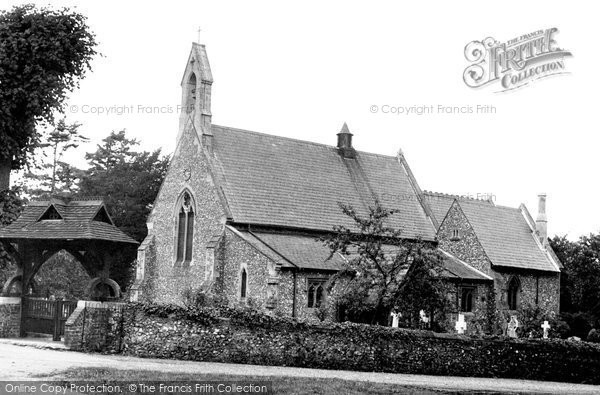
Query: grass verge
280, 384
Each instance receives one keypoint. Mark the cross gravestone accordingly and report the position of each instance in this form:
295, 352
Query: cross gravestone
461, 325
512, 326
546, 328
395, 319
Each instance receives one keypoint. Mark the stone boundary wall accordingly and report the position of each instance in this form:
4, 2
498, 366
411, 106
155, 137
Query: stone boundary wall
95, 326
361, 348
116, 328
10, 316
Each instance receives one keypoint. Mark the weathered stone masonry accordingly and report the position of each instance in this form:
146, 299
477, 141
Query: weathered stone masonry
10, 316
95, 326
536, 287
189, 171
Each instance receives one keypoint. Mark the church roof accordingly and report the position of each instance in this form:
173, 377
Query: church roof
440, 203
278, 181
507, 238
455, 268
293, 250
58, 219
504, 232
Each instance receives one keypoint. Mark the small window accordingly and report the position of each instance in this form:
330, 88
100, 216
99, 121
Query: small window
455, 235
466, 299
315, 293
102, 216
51, 214
513, 294
244, 284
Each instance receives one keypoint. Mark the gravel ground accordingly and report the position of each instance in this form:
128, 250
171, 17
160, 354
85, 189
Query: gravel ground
26, 359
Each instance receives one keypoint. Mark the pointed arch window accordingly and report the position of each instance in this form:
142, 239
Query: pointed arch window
185, 230
244, 284
190, 102
466, 299
513, 293
315, 293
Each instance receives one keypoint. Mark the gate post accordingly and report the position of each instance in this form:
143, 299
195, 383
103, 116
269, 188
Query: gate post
57, 315
10, 316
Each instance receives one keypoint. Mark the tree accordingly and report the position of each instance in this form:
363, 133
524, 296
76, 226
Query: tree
49, 175
580, 280
382, 270
129, 182
43, 55
11, 205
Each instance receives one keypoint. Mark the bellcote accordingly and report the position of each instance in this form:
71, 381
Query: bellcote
196, 86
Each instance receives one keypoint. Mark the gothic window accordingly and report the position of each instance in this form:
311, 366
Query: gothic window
190, 102
466, 299
513, 293
185, 229
244, 284
315, 293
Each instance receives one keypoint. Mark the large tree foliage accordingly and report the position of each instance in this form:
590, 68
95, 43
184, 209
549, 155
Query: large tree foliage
382, 270
43, 55
49, 175
128, 180
580, 280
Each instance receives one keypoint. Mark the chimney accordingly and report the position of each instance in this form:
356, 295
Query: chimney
344, 143
541, 223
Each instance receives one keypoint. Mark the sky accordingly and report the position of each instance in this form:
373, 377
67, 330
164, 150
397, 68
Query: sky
301, 69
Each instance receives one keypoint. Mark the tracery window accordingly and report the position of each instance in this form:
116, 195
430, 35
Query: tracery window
185, 229
316, 293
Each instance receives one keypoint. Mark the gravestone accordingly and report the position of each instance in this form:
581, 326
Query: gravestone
461, 325
395, 319
546, 328
424, 317
512, 326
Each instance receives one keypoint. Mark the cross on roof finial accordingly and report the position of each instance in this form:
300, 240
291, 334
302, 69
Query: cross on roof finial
199, 31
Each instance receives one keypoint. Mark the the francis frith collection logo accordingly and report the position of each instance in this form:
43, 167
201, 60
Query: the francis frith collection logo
514, 63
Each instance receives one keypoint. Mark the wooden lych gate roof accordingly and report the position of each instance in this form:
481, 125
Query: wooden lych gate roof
68, 220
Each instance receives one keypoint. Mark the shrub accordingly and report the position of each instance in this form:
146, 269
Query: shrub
580, 323
594, 336
531, 319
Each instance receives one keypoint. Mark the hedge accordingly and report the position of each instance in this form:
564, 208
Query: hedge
246, 336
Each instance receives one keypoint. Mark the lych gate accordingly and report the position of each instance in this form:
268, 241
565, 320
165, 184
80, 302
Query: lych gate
85, 230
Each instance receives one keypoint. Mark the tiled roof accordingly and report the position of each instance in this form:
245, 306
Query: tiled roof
457, 269
502, 231
77, 223
440, 203
506, 237
271, 180
293, 250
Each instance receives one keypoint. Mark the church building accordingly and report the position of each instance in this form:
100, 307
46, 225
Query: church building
239, 214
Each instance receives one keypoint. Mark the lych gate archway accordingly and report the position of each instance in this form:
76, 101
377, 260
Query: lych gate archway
82, 228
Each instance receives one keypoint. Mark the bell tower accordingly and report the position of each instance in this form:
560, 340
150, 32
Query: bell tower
196, 86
